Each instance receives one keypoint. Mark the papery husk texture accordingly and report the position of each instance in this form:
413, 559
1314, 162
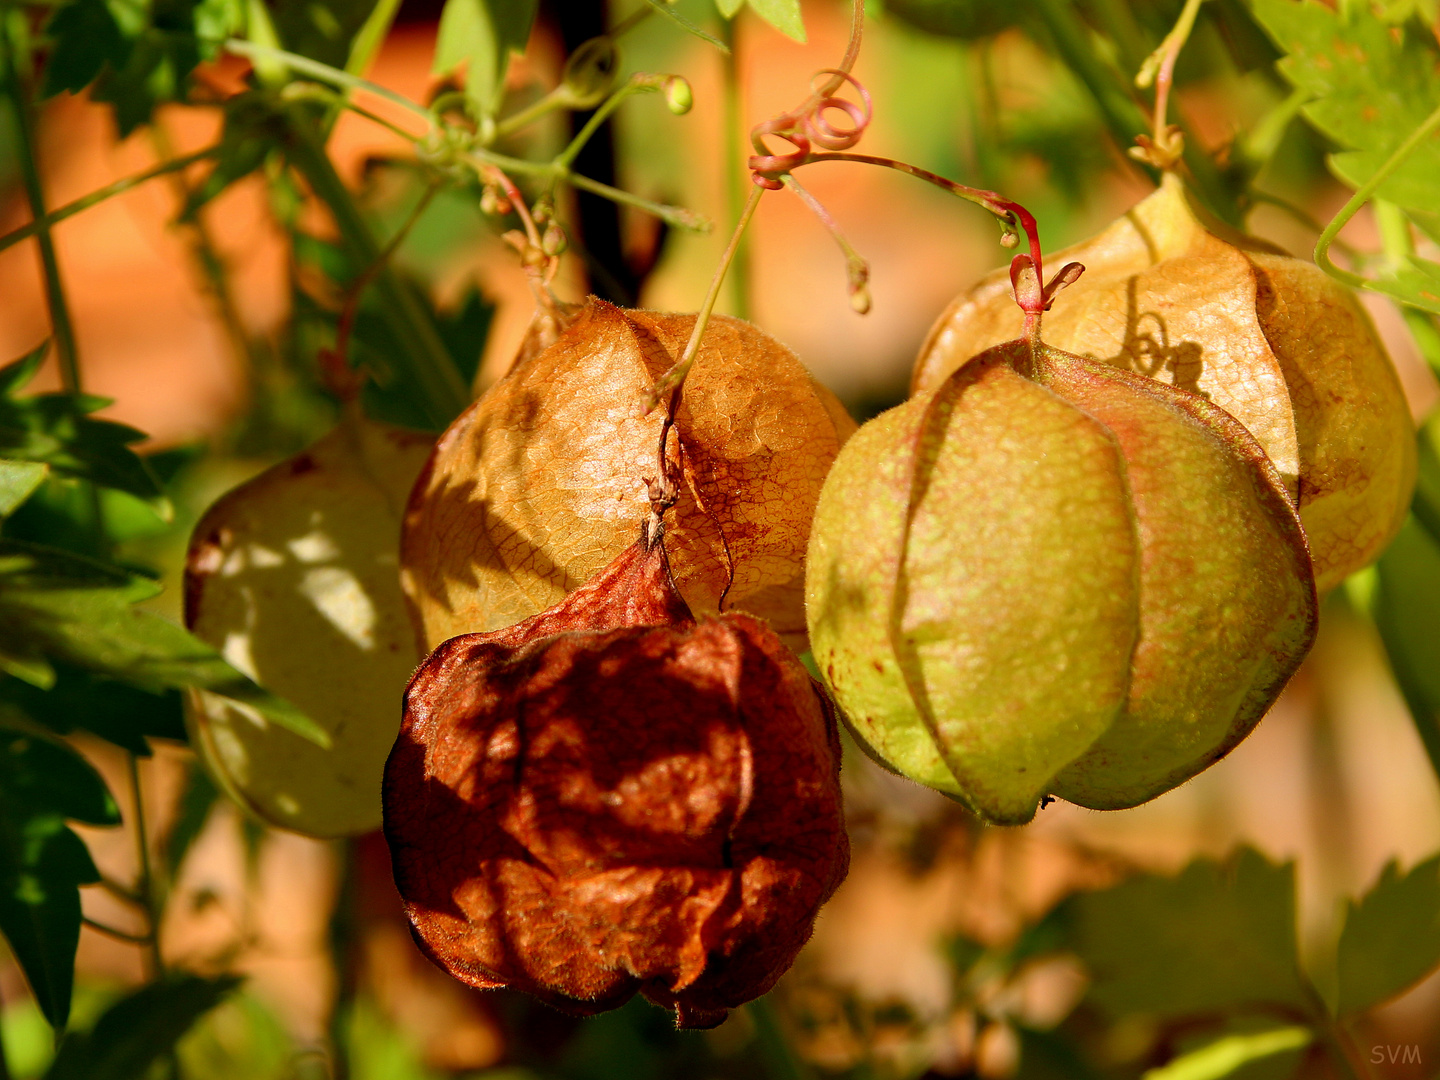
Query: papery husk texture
1273, 340
537, 486
611, 797
1049, 576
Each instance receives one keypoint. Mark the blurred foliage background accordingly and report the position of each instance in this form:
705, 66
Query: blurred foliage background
1278, 916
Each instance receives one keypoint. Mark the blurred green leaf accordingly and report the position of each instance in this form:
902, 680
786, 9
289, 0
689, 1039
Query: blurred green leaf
1411, 280
18, 481
85, 37
964, 19
482, 34
42, 862
1406, 609
137, 1031
56, 607
784, 15
58, 430
1238, 1055
1372, 84
1219, 936
81, 700
1391, 938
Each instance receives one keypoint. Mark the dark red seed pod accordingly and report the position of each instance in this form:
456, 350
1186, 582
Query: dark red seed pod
612, 797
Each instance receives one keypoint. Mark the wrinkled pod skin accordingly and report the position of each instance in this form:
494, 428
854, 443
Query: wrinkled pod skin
1273, 340
536, 486
1049, 576
613, 797
292, 575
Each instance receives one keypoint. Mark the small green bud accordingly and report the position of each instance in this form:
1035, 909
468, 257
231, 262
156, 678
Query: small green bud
678, 95
554, 242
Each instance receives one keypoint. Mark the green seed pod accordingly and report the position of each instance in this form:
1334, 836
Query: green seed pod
1049, 576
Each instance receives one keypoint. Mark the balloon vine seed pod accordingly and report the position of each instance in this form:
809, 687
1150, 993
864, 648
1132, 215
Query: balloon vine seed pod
1046, 575
612, 796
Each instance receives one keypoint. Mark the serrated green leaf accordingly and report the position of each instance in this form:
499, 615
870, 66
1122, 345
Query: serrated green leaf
18, 481
164, 51
1372, 84
1391, 938
64, 608
1412, 281
1236, 1055
58, 430
1219, 936
85, 38
783, 15
42, 863
689, 27
482, 34
136, 1032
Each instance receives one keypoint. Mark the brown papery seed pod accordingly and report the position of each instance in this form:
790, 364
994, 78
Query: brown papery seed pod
1273, 340
536, 487
612, 797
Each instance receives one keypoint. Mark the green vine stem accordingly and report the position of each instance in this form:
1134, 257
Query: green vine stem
145, 877
1362, 196
17, 79
731, 131
258, 54
1118, 109
672, 380
41, 225
429, 362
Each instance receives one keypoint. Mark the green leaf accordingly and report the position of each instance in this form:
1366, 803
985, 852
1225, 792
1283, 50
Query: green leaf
482, 34
1391, 938
1412, 281
1406, 609
18, 481
56, 607
729, 8
784, 15
1217, 937
86, 37
164, 50
1229, 1055
81, 700
58, 430
42, 862
1372, 83
139, 1030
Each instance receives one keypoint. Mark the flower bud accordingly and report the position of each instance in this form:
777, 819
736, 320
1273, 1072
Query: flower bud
678, 96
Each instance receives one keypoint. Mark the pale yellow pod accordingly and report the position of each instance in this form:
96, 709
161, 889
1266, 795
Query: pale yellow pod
294, 576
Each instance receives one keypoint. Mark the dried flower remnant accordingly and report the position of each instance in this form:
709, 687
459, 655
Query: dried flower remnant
1272, 340
534, 488
613, 797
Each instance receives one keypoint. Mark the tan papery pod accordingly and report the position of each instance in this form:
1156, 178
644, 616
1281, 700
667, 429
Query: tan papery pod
535, 487
1272, 340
